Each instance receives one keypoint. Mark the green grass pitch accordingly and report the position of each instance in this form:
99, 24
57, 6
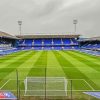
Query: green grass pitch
83, 69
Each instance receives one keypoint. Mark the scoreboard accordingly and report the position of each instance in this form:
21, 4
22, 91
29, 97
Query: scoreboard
7, 96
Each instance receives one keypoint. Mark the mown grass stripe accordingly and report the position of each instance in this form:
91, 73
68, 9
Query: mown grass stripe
68, 72
7, 63
26, 70
10, 68
88, 62
80, 72
11, 60
94, 76
11, 56
54, 69
89, 58
88, 55
81, 65
38, 69
23, 70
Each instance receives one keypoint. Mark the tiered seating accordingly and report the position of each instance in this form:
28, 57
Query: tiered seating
8, 51
74, 41
67, 47
28, 42
21, 43
37, 48
48, 44
76, 47
91, 46
98, 46
47, 41
70, 43
57, 47
38, 42
47, 48
57, 41
66, 41
6, 48
5, 45
97, 53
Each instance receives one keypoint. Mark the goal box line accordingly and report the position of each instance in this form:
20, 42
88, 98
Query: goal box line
47, 67
7, 83
67, 90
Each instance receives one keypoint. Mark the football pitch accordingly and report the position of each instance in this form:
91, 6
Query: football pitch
80, 68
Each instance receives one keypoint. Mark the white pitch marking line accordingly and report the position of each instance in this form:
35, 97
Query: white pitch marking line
4, 84
89, 85
76, 79
67, 90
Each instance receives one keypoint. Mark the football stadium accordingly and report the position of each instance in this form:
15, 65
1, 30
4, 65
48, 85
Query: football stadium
49, 67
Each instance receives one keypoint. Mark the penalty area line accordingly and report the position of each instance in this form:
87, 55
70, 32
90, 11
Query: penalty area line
4, 84
89, 85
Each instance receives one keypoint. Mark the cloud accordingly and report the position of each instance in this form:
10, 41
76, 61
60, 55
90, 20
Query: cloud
50, 16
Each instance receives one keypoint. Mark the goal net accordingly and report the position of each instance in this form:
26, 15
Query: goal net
49, 86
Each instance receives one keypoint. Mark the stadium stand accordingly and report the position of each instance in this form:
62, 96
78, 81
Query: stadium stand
90, 45
48, 42
7, 43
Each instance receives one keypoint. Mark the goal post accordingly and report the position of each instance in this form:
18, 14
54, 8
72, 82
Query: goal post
25, 82
55, 86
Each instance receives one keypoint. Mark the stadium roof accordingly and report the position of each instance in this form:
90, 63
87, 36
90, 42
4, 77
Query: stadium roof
96, 38
48, 36
6, 35
90, 39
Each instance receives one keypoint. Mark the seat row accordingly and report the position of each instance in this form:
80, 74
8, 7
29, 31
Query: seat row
33, 42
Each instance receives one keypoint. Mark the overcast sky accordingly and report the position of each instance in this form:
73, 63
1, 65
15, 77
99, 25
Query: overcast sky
50, 16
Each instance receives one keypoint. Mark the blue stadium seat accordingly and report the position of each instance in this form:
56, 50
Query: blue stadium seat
74, 41
38, 48
37, 41
67, 47
47, 48
47, 41
66, 41
28, 42
57, 47
57, 41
